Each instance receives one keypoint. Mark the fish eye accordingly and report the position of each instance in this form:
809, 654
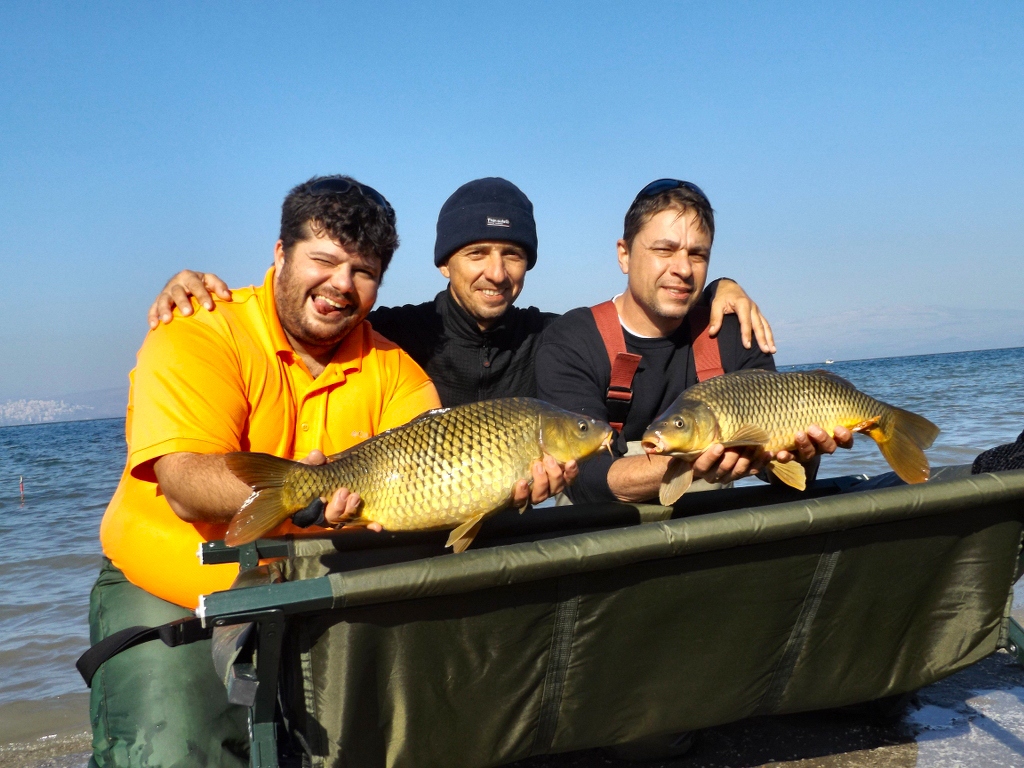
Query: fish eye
583, 426
678, 422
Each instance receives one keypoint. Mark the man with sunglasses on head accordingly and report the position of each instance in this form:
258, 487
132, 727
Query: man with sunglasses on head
288, 368
471, 339
664, 252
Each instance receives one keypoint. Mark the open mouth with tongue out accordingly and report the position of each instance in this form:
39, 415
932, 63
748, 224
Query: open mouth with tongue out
332, 307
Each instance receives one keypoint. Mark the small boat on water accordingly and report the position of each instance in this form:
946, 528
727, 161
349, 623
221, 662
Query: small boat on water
829, 361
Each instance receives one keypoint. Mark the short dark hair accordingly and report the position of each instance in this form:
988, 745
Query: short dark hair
353, 218
682, 198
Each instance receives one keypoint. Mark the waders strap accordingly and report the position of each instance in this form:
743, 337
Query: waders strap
623, 363
180, 632
706, 357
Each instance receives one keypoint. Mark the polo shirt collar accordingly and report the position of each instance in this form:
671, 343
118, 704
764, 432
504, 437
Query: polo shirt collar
348, 357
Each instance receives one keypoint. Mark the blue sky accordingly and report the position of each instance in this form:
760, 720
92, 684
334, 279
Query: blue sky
865, 163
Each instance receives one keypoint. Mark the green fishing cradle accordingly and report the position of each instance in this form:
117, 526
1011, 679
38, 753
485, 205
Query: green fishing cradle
577, 627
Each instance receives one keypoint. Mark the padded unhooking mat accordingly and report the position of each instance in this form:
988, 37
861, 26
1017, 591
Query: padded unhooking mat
605, 636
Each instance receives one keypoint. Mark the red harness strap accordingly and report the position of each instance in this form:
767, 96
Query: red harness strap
706, 356
623, 363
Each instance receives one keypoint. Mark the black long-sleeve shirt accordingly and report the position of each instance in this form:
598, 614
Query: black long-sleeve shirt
573, 372
465, 363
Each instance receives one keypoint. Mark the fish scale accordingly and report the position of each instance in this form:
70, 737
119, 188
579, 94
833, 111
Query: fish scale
785, 404
767, 409
457, 473
444, 469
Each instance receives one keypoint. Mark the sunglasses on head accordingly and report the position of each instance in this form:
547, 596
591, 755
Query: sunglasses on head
341, 186
663, 185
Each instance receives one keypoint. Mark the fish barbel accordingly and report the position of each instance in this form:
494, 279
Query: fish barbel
450, 467
766, 409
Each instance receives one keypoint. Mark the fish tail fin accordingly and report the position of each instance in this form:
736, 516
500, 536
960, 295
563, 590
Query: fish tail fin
265, 509
903, 438
259, 470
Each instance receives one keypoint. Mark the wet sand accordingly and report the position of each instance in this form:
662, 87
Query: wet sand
972, 718
53, 732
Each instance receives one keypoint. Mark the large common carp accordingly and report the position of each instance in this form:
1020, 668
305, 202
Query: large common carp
449, 467
766, 409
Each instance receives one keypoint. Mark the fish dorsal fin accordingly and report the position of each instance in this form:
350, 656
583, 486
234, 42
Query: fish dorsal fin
834, 376
676, 481
747, 434
790, 472
429, 414
463, 536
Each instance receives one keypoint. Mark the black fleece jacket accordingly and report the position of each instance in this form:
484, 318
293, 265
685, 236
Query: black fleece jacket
465, 363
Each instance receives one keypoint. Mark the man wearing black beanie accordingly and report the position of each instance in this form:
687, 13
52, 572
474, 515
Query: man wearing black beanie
471, 339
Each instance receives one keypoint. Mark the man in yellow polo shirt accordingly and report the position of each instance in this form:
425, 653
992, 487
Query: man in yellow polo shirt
288, 368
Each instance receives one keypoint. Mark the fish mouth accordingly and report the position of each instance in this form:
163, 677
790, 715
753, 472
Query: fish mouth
653, 445
606, 444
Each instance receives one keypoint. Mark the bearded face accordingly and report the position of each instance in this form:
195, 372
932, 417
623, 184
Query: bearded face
322, 291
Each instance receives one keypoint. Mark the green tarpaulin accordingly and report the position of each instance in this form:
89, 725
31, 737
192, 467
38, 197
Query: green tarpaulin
573, 639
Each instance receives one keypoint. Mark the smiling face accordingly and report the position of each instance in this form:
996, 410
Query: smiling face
667, 266
322, 291
485, 278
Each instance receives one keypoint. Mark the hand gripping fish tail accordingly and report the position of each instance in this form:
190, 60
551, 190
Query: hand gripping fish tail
446, 469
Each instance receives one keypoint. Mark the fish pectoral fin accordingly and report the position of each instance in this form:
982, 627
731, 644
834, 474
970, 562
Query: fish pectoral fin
747, 434
689, 456
676, 481
790, 472
463, 536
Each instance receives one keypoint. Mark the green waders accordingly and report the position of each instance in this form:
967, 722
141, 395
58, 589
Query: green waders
152, 705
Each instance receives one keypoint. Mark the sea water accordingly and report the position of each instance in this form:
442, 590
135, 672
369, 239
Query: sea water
50, 549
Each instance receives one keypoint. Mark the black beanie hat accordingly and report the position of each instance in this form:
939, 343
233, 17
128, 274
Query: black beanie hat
486, 209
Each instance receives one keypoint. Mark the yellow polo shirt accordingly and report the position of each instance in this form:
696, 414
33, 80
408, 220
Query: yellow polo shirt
228, 380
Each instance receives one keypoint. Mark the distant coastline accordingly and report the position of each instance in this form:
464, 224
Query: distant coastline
900, 357
53, 423
109, 403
